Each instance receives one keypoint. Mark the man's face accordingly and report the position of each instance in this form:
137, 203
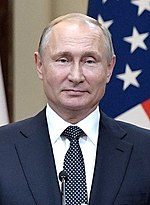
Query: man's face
74, 67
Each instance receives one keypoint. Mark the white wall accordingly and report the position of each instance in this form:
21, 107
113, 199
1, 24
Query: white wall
30, 17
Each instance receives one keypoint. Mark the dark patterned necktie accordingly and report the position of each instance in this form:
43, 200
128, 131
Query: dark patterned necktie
76, 189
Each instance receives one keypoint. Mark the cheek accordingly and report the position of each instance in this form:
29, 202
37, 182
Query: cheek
54, 79
48, 78
99, 79
98, 86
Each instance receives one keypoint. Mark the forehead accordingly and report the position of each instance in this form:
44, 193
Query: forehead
75, 32
75, 25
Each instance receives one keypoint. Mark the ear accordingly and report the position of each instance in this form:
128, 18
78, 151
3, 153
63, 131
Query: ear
39, 64
110, 69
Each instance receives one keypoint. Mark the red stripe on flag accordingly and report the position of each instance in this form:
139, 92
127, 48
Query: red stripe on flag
146, 106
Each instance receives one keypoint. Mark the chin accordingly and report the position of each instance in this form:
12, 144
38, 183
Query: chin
74, 107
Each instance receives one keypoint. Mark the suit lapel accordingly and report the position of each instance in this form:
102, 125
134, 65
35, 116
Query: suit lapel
36, 158
113, 155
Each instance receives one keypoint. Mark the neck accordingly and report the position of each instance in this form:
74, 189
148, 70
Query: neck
74, 116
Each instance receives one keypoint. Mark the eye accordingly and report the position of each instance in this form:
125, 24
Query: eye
90, 60
62, 60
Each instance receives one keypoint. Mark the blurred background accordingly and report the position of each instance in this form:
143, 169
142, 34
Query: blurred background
21, 24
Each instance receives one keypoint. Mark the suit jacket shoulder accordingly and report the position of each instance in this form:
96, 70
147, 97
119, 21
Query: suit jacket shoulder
122, 169
10, 132
131, 132
27, 168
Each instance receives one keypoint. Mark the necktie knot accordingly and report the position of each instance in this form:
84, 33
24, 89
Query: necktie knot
73, 133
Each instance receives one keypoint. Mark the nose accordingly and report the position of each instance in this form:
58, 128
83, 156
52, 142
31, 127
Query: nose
76, 74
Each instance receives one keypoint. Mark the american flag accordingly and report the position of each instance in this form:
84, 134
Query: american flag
128, 94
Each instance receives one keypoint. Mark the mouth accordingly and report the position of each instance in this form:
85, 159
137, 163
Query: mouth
75, 92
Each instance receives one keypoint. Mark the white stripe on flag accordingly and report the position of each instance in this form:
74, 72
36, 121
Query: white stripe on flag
3, 107
136, 116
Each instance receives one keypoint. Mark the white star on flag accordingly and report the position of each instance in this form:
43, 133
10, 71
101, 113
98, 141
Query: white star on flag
104, 1
136, 40
107, 24
129, 77
142, 4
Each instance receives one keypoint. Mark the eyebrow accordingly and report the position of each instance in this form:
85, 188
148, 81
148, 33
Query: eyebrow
62, 53
84, 54
91, 53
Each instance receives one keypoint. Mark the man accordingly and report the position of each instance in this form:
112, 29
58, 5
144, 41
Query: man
75, 61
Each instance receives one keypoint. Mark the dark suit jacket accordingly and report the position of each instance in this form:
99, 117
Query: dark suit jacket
28, 175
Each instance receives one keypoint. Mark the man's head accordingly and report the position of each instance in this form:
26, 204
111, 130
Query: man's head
75, 61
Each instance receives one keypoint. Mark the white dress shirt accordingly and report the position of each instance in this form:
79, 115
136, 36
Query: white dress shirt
88, 144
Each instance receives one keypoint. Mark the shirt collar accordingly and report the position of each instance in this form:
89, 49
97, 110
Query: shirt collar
56, 125
90, 125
